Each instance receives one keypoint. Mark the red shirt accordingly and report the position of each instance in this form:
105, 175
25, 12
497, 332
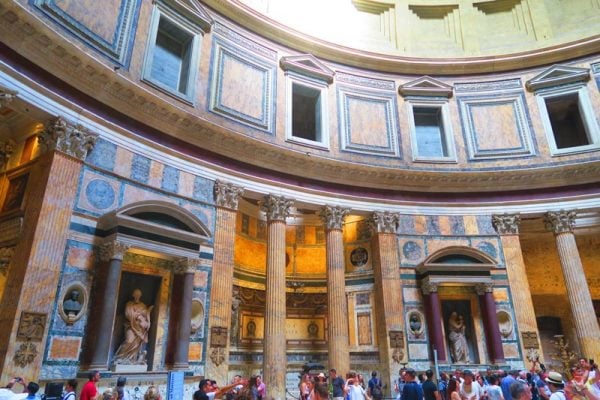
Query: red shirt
89, 391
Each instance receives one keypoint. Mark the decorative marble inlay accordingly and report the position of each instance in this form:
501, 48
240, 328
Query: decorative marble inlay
277, 208
483, 288
560, 221
74, 140
227, 194
113, 251
25, 354
333, 216
428, 288
100, 194
506, 224
384, 222
187, 265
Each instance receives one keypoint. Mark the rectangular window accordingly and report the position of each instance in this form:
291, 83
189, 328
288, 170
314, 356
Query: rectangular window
171, 56
172, 53
306, 113
565, 118
429, 130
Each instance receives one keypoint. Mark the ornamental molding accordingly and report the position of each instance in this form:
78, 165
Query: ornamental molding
186, 265
20, 30
560, 221
384, 222
429, 287
113, 250
483, 288
426, 86
309, 65
7, 96
333, 216
227, 194
558, 75
60, 135
506, 224
277, 208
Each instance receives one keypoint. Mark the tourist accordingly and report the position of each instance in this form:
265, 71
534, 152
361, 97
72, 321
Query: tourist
152, 394
453, 388
320, 391
120, 389
493, 390
338, 386
232, 394
430, 389
399, 387
520, 391
89, 390
70, 389
443, 386
355, 390
411, 390
469, 389
375, 387
557, 386
6, 392
261, 388
306, 387
508, 380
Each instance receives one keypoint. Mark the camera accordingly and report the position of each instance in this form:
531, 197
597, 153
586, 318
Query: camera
18, 379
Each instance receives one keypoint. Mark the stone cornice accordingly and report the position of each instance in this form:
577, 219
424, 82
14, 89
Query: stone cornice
33, 40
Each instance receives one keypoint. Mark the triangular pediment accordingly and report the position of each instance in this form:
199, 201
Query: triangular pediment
558, 75
426, 86
307, 64
193, 10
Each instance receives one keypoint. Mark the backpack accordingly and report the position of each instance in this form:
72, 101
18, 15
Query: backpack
376, 391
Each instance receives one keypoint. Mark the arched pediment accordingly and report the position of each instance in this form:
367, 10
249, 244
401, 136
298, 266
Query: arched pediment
454, 254
457, 265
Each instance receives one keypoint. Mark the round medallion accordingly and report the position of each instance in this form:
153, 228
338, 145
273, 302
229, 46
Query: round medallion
100, 194
359, 257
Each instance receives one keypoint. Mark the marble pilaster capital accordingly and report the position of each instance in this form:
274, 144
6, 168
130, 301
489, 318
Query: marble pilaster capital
277, 208
6, 254
333, 216
384, 222
113, 250
186, 265
506, 224
227, 194
560, 221
483, 288
7, 96
428, 287
60, 135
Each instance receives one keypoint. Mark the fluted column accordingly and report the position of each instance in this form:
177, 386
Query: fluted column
388, 293
221, 292
578, 292
105, 303
434, 319
275, 358
180, 323
33, 276
507, 226
490, 320
337, 308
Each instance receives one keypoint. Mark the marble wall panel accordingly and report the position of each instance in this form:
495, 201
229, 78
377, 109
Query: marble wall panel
98, 194
64, 348
368, 121
418, 351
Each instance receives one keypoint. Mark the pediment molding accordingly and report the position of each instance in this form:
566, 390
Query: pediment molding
307, 64
426, 86
192, 10
557, 75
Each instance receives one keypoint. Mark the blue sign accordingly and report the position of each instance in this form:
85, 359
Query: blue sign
175, 385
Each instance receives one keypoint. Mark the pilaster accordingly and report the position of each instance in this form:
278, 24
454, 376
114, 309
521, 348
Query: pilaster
219, 319
507, 226
562, 223
38, 256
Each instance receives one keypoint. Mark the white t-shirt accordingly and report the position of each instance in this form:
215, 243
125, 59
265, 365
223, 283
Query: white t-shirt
7, 394
558, 396
356, 392
473, 394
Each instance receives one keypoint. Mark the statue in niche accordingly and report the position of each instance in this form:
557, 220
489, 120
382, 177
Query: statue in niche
137, 324
415, 324
459, 349
251, 328
72, 305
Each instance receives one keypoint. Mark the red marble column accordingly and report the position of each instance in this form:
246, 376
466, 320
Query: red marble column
434, 320
490, 320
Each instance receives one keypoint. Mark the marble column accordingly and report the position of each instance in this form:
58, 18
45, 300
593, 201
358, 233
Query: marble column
180, 323
388, 294
490, 320
226, 197
104, 303
562, 223
337, 308
42, 223
434, 319
507, 226
277, 210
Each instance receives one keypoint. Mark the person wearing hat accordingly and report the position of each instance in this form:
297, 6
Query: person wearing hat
556, 385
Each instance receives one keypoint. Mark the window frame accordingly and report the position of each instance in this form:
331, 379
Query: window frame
448, 136
586, 113
314, 84
162, 11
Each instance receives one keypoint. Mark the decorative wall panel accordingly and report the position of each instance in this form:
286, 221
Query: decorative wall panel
243, 86
496, 126
107, 26
368, 121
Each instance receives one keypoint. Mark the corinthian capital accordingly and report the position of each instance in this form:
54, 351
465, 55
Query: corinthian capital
483, 288
277, 208
6, 96
560, 221
427, 288
506, 224
113, 251
333, 216
384, 222
227, 194
74, 140
186, 265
